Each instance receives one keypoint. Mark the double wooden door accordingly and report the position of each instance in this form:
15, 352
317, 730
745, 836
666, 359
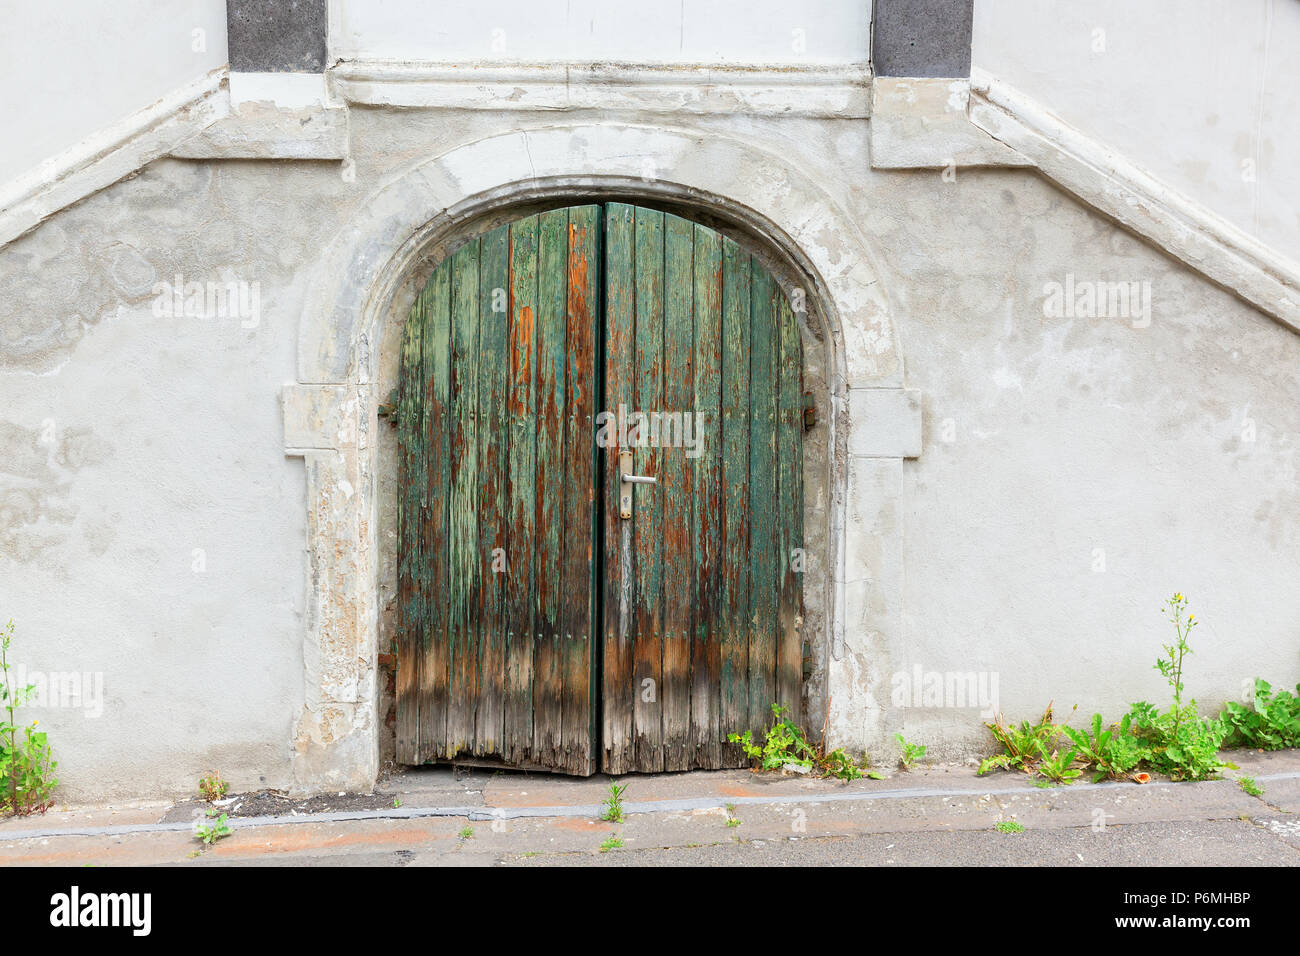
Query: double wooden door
552, 613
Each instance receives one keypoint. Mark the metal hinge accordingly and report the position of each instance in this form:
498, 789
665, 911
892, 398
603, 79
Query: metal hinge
388, 409
809, 411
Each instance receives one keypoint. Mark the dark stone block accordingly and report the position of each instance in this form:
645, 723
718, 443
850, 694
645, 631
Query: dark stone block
277, 36
921, 37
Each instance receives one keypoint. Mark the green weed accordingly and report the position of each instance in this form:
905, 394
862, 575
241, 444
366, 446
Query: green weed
1023, 746
614, 804
213, 787
1271, 721
784, 744
1181, 743
1249, 785
911, 753
1114, 752
219, 828
27, 764
1059, 767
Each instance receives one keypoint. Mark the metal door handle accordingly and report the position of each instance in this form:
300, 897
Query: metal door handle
625, 482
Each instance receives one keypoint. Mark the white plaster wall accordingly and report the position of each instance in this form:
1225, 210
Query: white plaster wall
1203, 93
680, 31
1076, 472
151, 528
71, 68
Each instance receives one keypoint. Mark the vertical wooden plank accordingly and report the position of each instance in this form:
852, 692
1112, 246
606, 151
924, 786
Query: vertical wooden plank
552, 308
733, 624
789, 666
410, 497
706, 519
763, 501
494, 366
647, 523
675, 473
466, 562
522, 490
620, 592
436, 353
581, 458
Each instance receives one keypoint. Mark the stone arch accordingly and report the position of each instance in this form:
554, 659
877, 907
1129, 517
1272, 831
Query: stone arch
369, 271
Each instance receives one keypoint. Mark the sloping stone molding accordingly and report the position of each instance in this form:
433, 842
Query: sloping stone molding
111, 154
1124, 192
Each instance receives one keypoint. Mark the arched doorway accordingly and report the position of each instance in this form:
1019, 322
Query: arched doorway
554, 611
349, 332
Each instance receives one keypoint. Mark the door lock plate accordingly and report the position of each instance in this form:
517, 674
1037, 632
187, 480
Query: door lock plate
626, 482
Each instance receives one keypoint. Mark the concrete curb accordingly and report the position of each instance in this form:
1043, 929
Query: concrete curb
577, 810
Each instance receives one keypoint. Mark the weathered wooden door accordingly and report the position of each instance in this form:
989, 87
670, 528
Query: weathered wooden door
554, 615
